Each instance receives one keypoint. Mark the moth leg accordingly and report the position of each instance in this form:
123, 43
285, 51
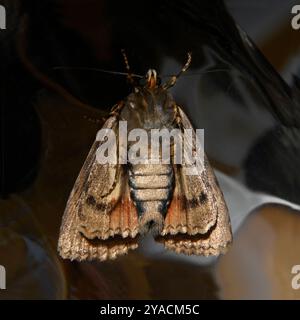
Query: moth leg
94, 120
116, 109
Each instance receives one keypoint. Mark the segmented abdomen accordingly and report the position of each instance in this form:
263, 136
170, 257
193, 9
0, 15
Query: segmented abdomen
151, 187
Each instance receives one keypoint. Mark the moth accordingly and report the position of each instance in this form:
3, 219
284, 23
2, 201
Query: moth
112, 205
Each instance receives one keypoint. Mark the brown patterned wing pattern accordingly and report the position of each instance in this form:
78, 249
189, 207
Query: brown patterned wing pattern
100, 220
197, 221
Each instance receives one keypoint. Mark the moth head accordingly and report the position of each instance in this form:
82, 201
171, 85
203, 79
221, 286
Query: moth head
151, 79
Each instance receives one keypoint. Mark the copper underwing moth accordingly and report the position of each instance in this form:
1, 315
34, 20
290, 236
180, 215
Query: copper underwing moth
112, 206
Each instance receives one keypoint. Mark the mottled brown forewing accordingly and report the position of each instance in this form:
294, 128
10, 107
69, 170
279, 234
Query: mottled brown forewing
99, 209
197, 221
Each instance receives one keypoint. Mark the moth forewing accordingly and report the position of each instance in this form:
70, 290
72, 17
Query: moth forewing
197, 221
92, 220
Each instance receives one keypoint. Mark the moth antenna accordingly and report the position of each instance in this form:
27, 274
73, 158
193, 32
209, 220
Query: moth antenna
191, 74
173, 79
98, 70
130, 74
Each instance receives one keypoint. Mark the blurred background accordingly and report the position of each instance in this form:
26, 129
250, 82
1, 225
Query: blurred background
268, 23
250, 113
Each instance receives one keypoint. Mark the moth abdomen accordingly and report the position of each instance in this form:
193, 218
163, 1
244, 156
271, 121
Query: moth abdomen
151, 189
150, 181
